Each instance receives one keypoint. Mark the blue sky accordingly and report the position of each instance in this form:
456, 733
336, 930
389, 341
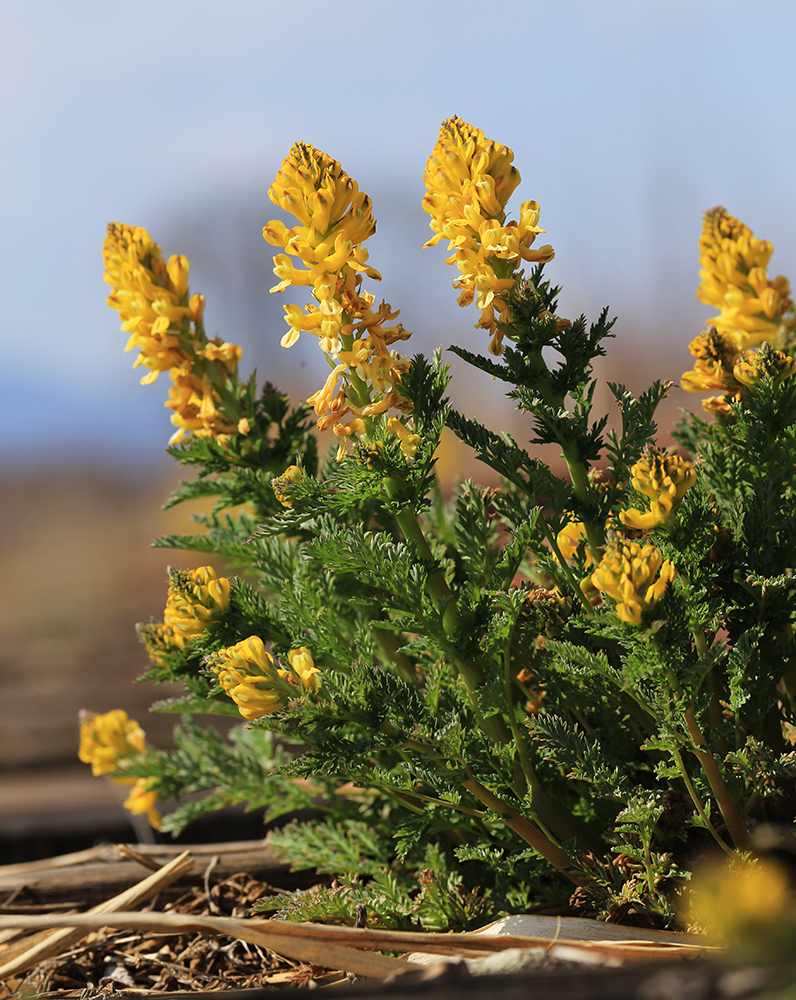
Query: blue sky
627, 119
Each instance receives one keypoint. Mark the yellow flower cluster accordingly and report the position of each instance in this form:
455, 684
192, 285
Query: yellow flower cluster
753, 310
734, 280
195, 600
664, 479
281, 484
775, 364
720, 366
634, 576
335, 218
165, 324
469, 180
248, 674
106, 742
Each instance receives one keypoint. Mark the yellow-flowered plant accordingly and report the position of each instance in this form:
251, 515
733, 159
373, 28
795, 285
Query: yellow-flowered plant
437, 647
634, 576
569, 540
664, 479
166, 325
107, 742
248, 674
335, 218
469, 180
195, 600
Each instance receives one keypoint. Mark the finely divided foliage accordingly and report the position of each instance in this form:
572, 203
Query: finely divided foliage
558, 691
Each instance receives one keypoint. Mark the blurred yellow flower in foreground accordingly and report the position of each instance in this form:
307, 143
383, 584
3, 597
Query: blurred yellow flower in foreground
749, 908
142, 801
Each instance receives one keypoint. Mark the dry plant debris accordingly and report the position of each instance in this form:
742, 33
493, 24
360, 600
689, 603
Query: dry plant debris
207, 941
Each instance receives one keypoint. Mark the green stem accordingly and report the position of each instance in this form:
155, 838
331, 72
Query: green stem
698, 805
714, 708
387, 641
704, 754
519, 742
595, 533
527, 831
565, 567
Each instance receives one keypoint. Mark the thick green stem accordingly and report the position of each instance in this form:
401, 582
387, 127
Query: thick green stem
714, 708
595, 533
698, 805
527, 831
704, 754
565, 567
387, 641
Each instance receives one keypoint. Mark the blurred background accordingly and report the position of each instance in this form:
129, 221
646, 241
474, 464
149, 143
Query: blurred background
628, 119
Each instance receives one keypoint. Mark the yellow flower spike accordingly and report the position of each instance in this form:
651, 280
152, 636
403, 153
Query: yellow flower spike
664, 479
469, 180
303, 665
281, 485
142, 802
107, 740
165, 325
734, 280
775, 364
196, 600
634, 576
147, 293
247, 674
335, 219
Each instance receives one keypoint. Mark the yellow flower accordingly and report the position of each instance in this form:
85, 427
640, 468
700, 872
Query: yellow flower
303, 665
166, 325
151, 297
196, 599
281, 484
716, 356
734, 280
335, 218
407, 440
775, 364
159, 640
107, 740
634, 576
142, 802
469, 180
249, 676
664, 479
569, 539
